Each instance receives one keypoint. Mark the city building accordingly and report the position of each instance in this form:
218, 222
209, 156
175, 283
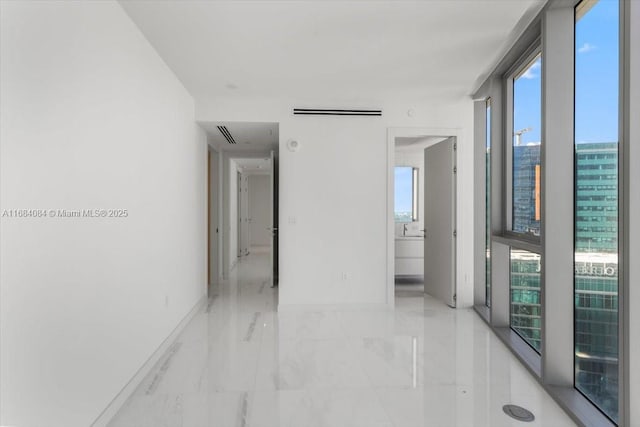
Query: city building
526, 189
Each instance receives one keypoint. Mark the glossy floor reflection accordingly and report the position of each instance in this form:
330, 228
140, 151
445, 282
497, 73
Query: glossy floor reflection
239, 363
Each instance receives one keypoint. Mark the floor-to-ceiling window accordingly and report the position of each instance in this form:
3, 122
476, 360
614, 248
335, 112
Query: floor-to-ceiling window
563, 114
526, 110
596, 202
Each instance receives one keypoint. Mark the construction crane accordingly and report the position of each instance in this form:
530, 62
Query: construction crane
518, 135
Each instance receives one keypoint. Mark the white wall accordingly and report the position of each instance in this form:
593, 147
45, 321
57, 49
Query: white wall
414, 159
214, 216
92, 118
259, 205
244, 214
335, 194
334, 191
231, 214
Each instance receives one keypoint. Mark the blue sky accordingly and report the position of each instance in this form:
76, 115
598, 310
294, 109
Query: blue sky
403, 188
596, 81
597, 70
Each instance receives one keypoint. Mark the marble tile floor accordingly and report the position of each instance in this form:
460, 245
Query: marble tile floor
239, 363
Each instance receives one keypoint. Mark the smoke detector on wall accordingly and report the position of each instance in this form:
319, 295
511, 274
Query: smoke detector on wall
293, 145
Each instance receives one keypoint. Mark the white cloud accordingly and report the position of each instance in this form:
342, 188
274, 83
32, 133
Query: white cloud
586, 48
531, 72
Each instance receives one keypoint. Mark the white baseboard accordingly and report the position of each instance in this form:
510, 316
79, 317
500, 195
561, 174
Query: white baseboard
112, 409
286, 308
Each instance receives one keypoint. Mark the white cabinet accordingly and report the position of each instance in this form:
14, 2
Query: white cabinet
409, 256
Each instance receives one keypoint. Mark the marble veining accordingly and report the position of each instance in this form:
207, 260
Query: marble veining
252, 326
240, 363
164, 367
244, 404
212, 300
264, 284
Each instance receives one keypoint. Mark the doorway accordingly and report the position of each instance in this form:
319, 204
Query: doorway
257, 207
421, 226
241, 203
244, 149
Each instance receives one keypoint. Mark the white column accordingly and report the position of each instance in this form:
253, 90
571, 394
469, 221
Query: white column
479, 226
557, 197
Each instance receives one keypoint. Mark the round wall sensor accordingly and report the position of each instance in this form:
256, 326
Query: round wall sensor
293, 145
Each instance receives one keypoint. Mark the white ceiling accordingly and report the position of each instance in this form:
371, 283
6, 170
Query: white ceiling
321, 52
255, 166
417, 143
249, 136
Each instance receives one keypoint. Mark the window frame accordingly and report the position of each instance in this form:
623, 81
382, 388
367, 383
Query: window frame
622, 282
512, 74
553, 369
488, 230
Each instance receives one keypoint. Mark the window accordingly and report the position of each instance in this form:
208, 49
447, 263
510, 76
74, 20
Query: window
406, 194
487, 240
525, 149
568, 67
524, 89
596, 203
525, 310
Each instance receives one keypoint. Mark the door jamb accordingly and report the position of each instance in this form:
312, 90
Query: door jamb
209, 203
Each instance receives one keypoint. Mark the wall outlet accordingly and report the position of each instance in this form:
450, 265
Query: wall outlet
292, 220
344, 276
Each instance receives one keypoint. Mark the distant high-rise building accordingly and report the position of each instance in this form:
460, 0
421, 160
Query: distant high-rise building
597, 197
526, 189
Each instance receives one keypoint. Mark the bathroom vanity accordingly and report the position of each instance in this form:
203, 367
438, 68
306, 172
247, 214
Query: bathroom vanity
409, 252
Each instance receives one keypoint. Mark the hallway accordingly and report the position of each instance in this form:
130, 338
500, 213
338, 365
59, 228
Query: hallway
240, 363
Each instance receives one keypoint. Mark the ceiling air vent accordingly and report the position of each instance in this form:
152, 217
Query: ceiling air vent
227, 135
326, 112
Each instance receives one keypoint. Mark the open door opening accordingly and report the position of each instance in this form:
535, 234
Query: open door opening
274, 219
247, 171
408, 212
422, 224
